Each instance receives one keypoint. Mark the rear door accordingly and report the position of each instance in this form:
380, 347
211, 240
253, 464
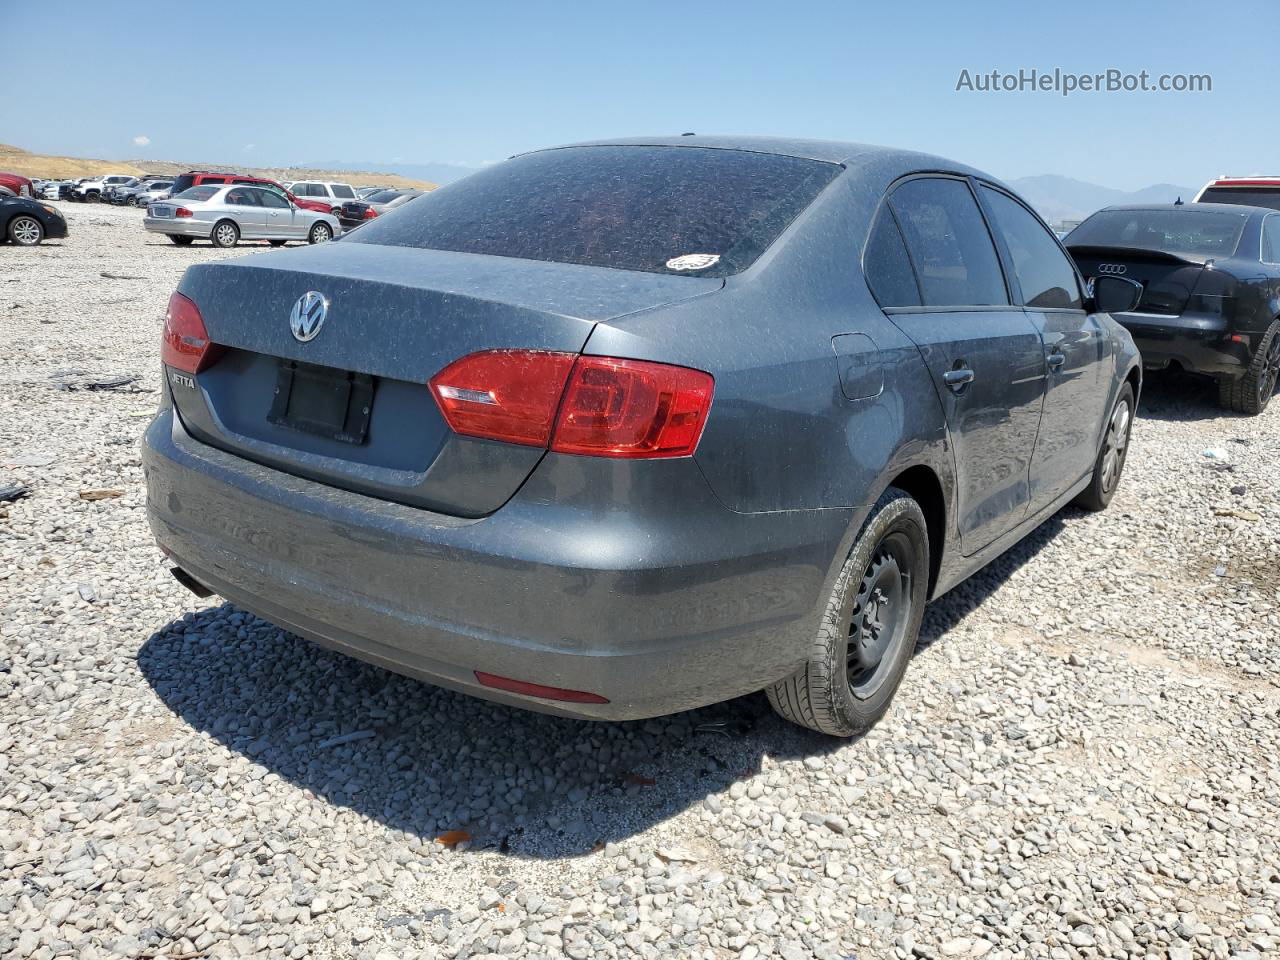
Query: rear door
983, 352
1045, 282
247, 211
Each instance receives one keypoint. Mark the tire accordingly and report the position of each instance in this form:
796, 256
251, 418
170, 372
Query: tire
320, 232
1109, 465
225, 234
131, 201
25, 231
276, 243
179, 239
857, 660
1251, 393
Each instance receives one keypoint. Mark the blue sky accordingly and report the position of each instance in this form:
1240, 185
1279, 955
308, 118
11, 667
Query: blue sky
270, 83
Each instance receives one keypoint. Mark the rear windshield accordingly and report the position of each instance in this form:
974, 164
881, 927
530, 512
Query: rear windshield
1196, 232
198, 193
1247, 196
382, 196
183, 182
694, 210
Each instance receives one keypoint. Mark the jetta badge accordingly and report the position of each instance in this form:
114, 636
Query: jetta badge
307, 316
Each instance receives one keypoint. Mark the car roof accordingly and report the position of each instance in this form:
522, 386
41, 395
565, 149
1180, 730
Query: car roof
1259, 180
829, 151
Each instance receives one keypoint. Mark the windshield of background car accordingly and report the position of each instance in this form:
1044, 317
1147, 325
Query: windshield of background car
1247, 196
382, 196
1195, 232
696, 210
198, 193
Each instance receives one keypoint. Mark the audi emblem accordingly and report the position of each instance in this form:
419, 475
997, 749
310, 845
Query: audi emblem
1114, 269
307, 316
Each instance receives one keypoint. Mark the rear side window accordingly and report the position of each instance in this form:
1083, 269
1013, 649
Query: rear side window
887, 267
1045, 275
693, 210
345, 192
1271, 239
1247, 196
949, 244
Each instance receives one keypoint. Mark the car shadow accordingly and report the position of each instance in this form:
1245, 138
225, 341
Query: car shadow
429, 760
1173, 394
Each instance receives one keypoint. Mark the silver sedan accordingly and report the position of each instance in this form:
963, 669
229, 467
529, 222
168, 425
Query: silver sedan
226, 214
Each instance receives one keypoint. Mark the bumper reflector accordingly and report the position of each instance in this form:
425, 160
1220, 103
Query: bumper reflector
537, 689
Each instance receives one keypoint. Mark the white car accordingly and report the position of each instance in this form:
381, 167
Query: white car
335, 193
95, 188
225, 214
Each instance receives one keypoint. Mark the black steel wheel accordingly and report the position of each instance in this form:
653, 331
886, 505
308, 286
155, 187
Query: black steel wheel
870, 628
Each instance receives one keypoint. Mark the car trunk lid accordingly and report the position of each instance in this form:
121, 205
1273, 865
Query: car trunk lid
351, 406
1167, 279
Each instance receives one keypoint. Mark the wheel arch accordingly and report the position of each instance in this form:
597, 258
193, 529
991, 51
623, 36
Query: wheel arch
924, 486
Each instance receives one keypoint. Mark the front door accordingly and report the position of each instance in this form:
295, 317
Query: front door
279, 214
984, 353
1046, 283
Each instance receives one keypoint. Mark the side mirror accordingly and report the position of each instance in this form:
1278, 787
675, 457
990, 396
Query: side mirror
1114, 294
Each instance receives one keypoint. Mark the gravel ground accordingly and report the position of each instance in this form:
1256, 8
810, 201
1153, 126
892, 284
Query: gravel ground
1082, 761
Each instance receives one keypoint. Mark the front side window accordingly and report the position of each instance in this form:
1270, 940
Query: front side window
693, 211
950, 247
269, 198
1046, 276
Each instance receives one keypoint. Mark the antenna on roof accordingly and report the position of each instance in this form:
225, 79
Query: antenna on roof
688, 134
1178, 202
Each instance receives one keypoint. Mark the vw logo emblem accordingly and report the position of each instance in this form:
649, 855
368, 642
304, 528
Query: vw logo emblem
307, 316
1115, 269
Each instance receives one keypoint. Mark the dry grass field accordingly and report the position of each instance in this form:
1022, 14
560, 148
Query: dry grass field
16, 160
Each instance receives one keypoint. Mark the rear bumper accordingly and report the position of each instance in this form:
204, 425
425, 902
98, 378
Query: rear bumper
1199, 344
179, 226
658, 609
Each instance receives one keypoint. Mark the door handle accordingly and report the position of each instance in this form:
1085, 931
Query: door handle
1056, 359
958, 379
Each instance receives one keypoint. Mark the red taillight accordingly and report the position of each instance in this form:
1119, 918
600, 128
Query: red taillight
537, 689
182, 212
591, 406
370, 213
508, 395
632, 408
185, 343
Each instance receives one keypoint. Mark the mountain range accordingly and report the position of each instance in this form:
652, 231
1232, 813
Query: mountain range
1059, 198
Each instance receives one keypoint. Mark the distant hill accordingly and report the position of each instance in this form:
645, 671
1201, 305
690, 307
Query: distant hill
440, 173
30, 164
1062, 198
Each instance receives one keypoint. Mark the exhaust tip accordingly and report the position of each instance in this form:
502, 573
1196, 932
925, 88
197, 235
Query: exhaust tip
190, 582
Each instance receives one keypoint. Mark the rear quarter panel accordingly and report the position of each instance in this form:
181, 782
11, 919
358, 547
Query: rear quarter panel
781, 434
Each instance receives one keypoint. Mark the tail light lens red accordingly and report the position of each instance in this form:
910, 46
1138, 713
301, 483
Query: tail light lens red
185, 343
182, 212
508, 395
591, 406
370, 213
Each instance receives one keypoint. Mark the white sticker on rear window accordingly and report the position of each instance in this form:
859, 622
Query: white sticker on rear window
693, 261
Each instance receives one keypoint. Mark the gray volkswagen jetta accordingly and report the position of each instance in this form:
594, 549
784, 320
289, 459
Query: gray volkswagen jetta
620, 429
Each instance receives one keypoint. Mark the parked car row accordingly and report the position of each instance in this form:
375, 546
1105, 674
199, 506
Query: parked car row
1209, 272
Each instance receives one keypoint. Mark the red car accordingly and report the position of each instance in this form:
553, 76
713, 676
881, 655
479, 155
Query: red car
19, 185
195, 178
